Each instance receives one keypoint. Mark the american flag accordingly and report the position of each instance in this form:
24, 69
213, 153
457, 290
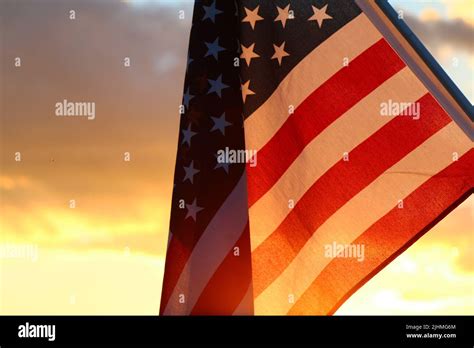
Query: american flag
302, 86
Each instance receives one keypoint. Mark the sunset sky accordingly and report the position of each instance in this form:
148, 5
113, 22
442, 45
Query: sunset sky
106, 255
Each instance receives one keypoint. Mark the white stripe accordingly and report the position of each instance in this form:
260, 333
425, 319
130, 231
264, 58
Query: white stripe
343, 135
217, 240
315, 69
358, 214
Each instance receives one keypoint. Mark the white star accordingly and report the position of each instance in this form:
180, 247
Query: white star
280, 52
193, 209
187, 135
217, 86
248, 53
187, 97
220, 123
319, 15
246, 90
211, 12
252, 16
190, 172
283, 15
213, 48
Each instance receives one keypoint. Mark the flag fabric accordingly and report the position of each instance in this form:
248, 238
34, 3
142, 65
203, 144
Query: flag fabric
310, 155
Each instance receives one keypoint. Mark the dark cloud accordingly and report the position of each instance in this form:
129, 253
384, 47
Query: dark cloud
435, 33
83, 59
136, 112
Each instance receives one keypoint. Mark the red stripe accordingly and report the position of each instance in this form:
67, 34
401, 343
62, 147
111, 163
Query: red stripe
339, 184
332, 99
176, 258
229, 284
389, 237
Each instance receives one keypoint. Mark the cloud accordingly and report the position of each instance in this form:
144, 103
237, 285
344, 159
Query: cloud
65, 282
437, 32
446, 29
457, 232
83, 60
166, 62
9, 183
429, 14
424, 280
142, 228
33, 212
460, 9
119, 204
